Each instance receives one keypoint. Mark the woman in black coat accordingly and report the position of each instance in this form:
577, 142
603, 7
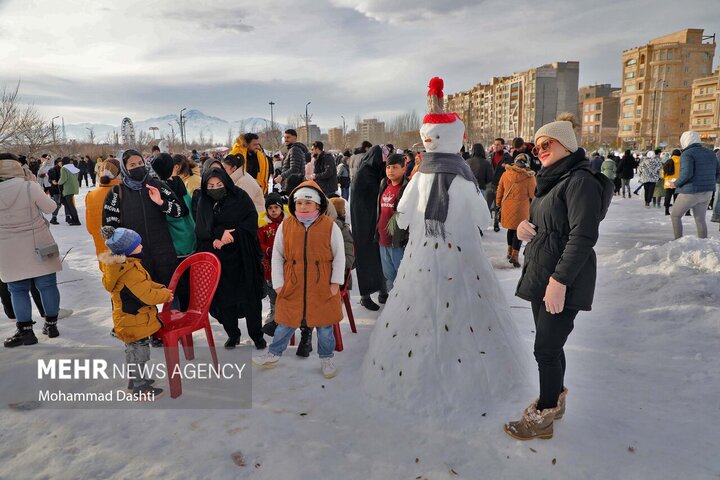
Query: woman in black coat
558, 276
226, 225
363, 209
142, 203
626, 171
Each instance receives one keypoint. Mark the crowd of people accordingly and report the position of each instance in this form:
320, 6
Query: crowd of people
292, 225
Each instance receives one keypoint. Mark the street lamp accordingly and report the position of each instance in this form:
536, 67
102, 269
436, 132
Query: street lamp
91, 134
344, 142
52, 125
182, 126
307, 124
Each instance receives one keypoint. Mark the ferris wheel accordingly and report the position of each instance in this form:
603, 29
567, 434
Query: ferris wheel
127, 130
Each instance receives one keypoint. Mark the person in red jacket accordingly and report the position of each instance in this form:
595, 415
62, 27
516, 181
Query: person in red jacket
275, 216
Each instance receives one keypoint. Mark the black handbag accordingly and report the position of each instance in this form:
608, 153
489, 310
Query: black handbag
44, 252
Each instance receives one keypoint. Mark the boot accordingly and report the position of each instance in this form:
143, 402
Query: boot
496, 227
50, 327
514, 258
509, 252
305, 345
54, 221
561, 404
533, 424
368, 303
269, 328
382, 297
667, 210
24, 335
232, 342
260, 344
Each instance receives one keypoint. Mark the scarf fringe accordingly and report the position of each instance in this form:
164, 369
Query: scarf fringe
434, 228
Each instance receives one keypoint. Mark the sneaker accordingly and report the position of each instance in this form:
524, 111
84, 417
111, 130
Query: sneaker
328, 367
149, 381
368, 303
148, 393
266, 359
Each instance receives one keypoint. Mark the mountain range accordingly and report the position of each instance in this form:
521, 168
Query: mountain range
197, 124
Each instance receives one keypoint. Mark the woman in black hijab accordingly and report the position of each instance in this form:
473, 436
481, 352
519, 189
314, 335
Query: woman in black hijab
226, 225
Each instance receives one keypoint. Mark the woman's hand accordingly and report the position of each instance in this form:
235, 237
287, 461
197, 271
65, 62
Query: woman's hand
526, 231
278, 290
227, 237
218, 244
154, 194
334, 289
555, 296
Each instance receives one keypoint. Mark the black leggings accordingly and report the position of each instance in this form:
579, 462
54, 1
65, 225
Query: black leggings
228, 317
669, 194
513, 240
649, 190
68, 202
551, 333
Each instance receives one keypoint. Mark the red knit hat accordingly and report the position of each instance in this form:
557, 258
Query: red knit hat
435, 112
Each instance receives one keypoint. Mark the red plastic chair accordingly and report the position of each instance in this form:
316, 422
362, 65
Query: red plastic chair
345, 296
179, 326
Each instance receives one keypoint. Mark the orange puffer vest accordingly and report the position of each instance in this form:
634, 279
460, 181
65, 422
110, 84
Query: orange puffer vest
305, 299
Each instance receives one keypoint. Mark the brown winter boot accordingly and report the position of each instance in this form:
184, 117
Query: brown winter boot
561, 404
509, 252
515, 258
533, 424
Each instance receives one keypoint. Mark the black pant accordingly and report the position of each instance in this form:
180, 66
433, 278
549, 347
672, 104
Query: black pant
669, 194
92, 176
68, 202
513, 240
6, 300
551, 333
617, 183
228, 317
649, 190
83, 176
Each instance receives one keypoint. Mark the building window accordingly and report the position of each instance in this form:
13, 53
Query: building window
662, 55
687, 69
685, 83
598, 106
640, 85
630, 62
627, 128
587, 107
629, 101
630, 75
597, 117
705, 70
669, 56
597, 128
630, 88
639, 100
627, 114
667, 69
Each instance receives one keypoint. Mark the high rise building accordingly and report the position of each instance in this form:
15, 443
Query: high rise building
705, 109
657, 87
336, 138
599, 109
314, 136
372, 130
517, 105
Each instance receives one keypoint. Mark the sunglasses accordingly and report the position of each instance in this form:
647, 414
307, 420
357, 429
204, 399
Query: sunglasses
542, 147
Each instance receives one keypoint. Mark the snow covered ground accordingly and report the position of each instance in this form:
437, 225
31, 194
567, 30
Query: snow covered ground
643, 373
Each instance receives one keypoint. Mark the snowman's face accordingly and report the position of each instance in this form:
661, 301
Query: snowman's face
443, 137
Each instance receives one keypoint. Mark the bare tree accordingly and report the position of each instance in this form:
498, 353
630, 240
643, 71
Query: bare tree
201, 139
91, 134
230, 139
14, 117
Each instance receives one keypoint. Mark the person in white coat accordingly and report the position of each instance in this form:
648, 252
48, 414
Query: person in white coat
29, 252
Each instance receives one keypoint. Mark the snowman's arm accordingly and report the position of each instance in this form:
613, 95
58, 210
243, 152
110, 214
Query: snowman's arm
407, 205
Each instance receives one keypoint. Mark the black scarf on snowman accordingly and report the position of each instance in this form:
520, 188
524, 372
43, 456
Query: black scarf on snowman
445, 166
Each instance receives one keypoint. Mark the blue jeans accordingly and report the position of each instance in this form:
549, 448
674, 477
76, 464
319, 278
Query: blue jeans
325, 336
20, 295
391, 258
345, 192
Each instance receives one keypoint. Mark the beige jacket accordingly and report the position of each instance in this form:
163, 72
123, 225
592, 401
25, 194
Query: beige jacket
18, 260
251, 187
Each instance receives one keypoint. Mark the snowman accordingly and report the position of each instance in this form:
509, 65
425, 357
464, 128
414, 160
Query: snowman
445, 343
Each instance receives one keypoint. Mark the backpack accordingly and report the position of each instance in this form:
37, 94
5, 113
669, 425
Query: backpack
669, 167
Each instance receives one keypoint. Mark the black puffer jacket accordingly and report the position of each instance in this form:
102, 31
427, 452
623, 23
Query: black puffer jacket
626, 167
500, 168
133, 209
480, 166
567, 211
326, 173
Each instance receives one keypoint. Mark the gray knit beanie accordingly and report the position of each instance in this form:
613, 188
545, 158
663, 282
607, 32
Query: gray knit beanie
562, 130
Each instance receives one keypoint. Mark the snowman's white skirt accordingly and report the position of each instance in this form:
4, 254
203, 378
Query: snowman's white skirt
445, 343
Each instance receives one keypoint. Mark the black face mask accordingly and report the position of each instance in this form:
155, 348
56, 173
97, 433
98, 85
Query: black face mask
217, 193
138, 173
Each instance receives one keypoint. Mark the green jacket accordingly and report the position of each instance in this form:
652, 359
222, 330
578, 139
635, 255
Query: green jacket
69, 182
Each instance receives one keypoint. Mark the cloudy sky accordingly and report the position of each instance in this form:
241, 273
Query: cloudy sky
99, 60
